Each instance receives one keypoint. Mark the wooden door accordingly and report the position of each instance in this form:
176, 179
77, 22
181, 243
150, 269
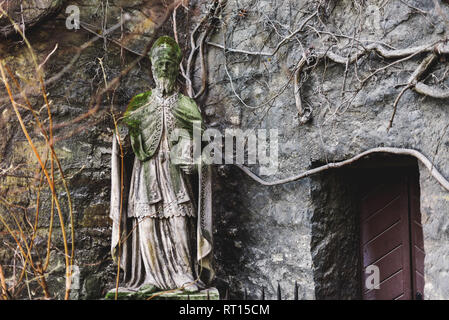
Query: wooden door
391, 234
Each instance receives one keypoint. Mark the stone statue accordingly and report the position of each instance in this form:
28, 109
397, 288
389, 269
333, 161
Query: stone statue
162, 226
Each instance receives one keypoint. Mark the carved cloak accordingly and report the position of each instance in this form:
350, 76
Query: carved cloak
185, 113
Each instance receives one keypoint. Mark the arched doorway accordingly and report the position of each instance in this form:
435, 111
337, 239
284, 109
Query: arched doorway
368, 214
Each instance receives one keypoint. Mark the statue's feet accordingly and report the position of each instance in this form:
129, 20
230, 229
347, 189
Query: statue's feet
190, 287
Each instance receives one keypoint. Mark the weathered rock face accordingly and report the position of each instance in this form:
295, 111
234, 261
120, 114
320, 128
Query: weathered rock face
343, 125
435, 225
85, 150
301, 231
335, 245
265, 234
26, 13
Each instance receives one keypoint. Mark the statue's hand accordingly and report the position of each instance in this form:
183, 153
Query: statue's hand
187, 168
123, 131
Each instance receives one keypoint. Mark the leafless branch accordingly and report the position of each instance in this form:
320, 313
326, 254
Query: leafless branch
402, 151
423, 66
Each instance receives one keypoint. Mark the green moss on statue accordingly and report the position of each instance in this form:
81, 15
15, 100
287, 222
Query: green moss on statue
161, 211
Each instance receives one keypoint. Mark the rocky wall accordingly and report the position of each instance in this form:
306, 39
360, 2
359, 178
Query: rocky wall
264, 235
343, 123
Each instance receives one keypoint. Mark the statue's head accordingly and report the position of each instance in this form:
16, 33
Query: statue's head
165, 56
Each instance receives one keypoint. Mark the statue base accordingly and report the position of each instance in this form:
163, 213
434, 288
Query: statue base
149, 294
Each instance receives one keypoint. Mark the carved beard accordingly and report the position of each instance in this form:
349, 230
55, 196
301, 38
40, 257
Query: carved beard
165, 85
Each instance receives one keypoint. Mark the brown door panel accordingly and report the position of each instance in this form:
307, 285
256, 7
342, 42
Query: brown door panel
419, 284
390, 289
382, 219
417, 235
417, 238
378, 199
388, 264
391, 234
382, 245
419, 260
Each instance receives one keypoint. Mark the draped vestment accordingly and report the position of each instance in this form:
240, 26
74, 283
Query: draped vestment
156, 217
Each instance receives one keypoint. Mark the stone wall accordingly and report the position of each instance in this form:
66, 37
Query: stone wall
434, 204
335, 245
264, 235
343, 125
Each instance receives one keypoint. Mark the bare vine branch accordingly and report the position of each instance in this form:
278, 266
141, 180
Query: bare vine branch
411, 83
402, 151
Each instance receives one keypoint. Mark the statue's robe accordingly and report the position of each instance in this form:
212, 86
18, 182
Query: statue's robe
154, 212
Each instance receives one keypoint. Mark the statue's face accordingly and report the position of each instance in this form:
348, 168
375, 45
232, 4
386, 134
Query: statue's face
164, 73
